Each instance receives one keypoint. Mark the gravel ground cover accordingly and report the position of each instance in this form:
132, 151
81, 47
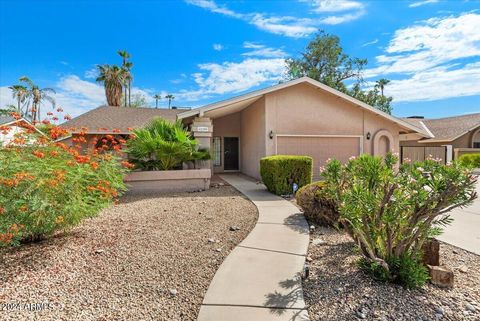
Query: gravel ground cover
337, 290
147, 258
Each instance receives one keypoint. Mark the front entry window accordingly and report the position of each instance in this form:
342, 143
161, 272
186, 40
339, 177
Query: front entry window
217, 151
476, 145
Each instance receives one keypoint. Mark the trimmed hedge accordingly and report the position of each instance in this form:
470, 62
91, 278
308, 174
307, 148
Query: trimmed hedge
280, 171
470, 160
316, 207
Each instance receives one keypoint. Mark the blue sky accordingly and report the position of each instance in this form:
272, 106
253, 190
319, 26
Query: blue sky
203, 50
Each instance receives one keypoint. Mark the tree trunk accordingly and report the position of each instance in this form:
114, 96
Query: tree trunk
129, 93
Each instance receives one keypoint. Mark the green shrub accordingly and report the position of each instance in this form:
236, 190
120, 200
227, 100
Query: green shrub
280, 171
46, 186
470, 160
316, 206
163, 145
390, 212
406, 270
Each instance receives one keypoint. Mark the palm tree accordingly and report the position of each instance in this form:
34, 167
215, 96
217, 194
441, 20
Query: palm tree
381, 83
113, 79
170, 97
127, 66
37, 95
19, 93
157, 98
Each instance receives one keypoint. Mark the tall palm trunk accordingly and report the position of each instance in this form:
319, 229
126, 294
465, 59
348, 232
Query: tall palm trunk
129, 92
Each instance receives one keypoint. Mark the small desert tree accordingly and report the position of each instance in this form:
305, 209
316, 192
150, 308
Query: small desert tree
391, 212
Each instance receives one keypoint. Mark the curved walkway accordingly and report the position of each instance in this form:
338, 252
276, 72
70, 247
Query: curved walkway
260, 279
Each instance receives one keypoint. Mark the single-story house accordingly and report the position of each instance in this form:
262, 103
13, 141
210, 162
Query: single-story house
449, 137
299, 117
10, 126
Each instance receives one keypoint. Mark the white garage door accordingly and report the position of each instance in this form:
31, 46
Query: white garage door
320, 148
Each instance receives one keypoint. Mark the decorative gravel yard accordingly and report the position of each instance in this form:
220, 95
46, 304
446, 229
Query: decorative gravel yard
147, 258
337, 290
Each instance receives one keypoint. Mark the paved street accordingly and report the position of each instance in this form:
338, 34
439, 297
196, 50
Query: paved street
465, 230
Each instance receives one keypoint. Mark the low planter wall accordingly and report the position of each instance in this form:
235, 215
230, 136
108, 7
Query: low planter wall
188, 180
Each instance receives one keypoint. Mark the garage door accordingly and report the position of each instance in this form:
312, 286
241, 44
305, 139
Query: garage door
319, 148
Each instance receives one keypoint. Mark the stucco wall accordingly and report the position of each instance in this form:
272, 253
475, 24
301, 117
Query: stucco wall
228, 126
253, 136
305, 110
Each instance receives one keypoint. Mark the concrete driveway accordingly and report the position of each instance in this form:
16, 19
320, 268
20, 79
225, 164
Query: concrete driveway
465, 229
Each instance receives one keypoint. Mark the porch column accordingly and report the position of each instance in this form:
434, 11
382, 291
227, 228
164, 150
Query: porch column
202, 129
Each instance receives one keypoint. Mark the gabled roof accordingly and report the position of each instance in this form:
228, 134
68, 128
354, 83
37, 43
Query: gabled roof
106, 119
6, 119
448, 129
240, 102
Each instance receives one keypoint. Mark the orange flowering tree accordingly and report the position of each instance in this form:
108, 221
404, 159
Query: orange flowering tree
47, 186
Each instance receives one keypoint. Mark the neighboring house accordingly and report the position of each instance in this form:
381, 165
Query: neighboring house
15, 126
299, 117
449, 138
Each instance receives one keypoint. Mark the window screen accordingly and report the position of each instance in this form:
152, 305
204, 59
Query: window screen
217, 151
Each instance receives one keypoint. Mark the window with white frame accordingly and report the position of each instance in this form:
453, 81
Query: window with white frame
217, 151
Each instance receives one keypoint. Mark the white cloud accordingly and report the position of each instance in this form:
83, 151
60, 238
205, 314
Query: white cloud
91, 73
335, 20
259, 50
431, 43
217, 47
287, 25
437, 83
374, 41
434, 59
232, 77
336, 5
421, 3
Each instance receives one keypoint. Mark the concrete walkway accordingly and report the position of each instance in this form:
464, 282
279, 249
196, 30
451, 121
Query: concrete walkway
465, 229
260, 279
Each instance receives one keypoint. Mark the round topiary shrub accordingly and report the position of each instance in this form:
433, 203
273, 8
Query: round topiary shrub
316, 206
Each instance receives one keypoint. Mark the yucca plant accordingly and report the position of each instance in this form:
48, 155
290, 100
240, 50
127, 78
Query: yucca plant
162, 145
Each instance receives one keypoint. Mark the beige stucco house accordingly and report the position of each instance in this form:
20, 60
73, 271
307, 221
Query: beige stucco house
448, 137
299, 117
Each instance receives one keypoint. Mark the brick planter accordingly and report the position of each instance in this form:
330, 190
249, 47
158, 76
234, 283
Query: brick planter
188, 180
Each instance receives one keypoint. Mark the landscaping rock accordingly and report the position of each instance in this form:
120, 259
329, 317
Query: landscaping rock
431, 252
338, 290
318, 241
138, 260
463, 269
234, 228
211, 240
470, 307
441, 276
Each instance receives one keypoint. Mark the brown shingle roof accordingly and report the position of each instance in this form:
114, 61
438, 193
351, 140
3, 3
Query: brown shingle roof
450, 128
106, 118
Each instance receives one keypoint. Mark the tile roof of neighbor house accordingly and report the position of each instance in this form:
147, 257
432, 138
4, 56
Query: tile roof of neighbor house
447, 129
105, 119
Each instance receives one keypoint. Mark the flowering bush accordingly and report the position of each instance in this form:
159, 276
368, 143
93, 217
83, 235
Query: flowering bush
390, 212
47, 186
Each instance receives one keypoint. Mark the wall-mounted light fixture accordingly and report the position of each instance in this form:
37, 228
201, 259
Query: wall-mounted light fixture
270, 134
369, 136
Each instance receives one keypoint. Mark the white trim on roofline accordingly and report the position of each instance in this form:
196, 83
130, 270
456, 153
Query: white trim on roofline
200, 111
23, 119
